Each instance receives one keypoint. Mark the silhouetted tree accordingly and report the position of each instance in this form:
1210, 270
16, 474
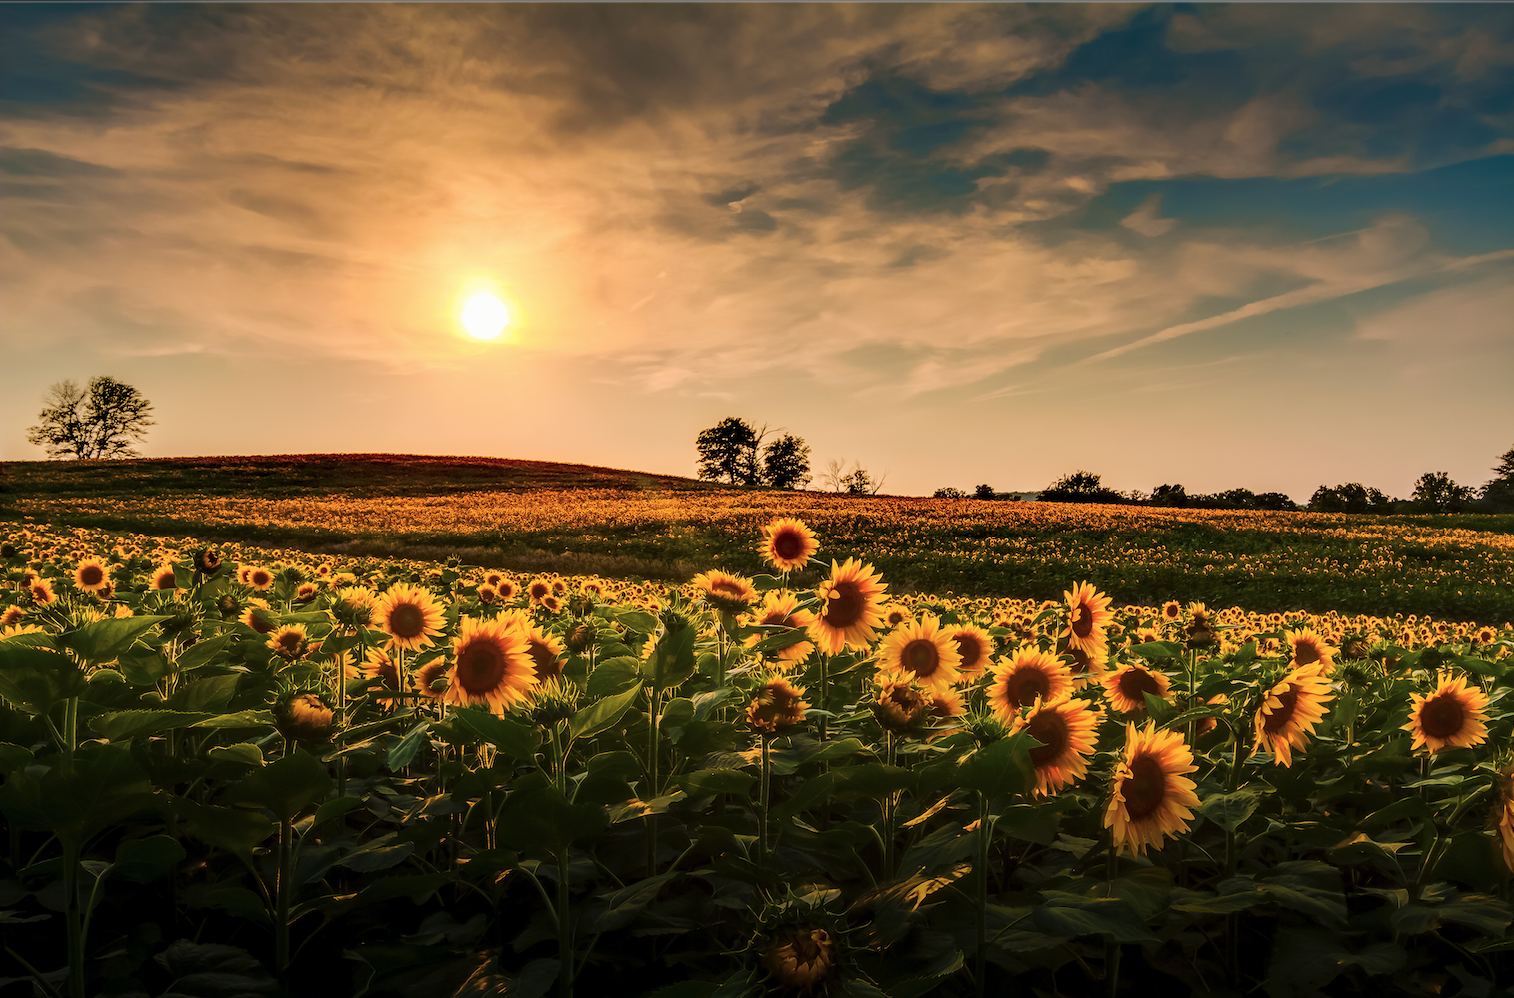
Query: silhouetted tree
1498, 494
113, 417
1080, 486
983, 492
949, 492
1169, 495
729, 450
1436, 493
786, 463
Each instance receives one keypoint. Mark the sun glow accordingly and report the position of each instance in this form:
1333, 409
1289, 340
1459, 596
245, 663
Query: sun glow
485, 316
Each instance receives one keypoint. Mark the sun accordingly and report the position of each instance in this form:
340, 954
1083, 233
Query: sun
485, 316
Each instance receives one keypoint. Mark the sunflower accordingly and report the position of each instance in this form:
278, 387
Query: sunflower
12, 615
1171, 611
539, 589
427, 677
289, 642
1307, 647
487, 594
894, 615
724, 591
1030, 676
1087, 615
207, 561
920, 651
1484, 636
90, 577
900, 705
974, 646
259, 616
162, 578
259, 578
507, 590
546, 651
305, 717
492, 665
356, 607
851, 598
787, 544
801, 959
946, 704
493, 578
1086, 668
306, 591
776, 706
378, 665
1199, 631
1149, 796
1127, 685
1454, 716
409, 615
782, 610
1502, 817
41, 591
1290, 710
551, 604
1065, 729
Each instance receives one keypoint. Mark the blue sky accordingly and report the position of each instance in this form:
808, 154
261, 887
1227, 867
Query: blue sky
1241, 245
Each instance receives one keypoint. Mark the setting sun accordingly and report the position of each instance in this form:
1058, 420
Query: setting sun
485, 316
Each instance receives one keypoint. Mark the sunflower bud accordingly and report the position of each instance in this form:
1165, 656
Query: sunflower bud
900, 707
555, 703
7, 551
305, 717
800, 959
207, 561
181, 623
228, 607
580, 637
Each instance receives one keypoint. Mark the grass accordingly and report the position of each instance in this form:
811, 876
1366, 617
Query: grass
535, 516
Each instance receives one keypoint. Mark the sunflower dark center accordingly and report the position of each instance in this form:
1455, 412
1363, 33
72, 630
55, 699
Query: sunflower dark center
480, 667
1082, 621
261, 578
546, 663
289, 640
788, 545
970, 649
1136, 683
1305, 653
166, 581
1050, 729
1145, 788
1442, 716
921, 657
1080, 658
91, 575
1025, 685
407, 621
538, 591
845, 606
1279, 718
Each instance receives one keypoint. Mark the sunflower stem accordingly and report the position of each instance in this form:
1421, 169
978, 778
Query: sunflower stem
281, 914
75, 926
652, 777
980, 955
1112, 948
890, 751
825, 694
564, 930
762, 803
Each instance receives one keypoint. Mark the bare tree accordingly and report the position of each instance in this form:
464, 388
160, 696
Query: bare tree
113, 417
857, 481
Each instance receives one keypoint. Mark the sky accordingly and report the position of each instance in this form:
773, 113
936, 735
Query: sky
1264, 246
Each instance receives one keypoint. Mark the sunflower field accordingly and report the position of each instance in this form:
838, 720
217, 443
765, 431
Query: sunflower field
241, 771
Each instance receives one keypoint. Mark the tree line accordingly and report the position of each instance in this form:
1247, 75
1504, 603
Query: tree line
738, 453
1434, 492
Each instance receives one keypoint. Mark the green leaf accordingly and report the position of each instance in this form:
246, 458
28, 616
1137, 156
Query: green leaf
1159, 709
1000, 768
715, 781
35, 678
1206, 903
840, 749
1074, 915
1482, 912
637, 621
14, 757
285, 787
240, 719
672, 659
211, 693
1157, 650
335, 808
512, 738
240, 754
591, 720
103, 640
381, 853
145, 860
779, 640
202, 652
1231, 810
104, 786
537, 816
236, 830
614, 675
1408, 806
404, 751
121, 725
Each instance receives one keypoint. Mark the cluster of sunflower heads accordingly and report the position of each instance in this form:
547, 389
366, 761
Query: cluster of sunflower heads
305, 716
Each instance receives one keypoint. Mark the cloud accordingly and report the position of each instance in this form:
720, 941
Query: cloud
1146, 219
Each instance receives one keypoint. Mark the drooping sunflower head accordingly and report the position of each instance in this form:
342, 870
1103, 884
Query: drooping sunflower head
800, 960
787, 544
207, 561
920, 652
305, 716
724, 591
851, 600
355, 606
553, 702
409, 615
776, 707
580, 638
1150, 797
900, 705
1199, 631
1065, 729
1029, 676
1453, 716
1127, 686
90, 576
492, 665
1088, 615
258, 616
432, 679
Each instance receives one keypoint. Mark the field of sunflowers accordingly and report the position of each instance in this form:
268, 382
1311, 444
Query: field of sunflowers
233, 770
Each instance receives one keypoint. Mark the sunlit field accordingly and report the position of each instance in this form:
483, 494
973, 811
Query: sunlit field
780, 777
